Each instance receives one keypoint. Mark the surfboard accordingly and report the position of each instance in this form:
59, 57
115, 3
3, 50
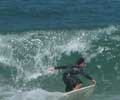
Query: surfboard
80, 94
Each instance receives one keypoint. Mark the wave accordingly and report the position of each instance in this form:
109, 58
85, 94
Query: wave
31, 54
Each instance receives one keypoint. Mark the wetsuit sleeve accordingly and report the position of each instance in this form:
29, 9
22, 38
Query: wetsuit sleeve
65, 66
61, 67
86, 74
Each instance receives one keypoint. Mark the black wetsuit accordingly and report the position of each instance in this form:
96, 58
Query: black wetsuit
70, 76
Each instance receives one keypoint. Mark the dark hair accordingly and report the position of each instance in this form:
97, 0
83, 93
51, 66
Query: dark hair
80, 61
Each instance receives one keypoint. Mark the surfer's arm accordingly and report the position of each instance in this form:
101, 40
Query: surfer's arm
88, 76
60, 67
56, 68
85, 74
65, 66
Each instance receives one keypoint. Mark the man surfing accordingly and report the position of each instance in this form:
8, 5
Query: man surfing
70, 78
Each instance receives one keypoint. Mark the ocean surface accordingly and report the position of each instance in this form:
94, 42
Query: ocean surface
37, 34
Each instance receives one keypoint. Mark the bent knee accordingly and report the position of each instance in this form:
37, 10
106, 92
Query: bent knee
78, 85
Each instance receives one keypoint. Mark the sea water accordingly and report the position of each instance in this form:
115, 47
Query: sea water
38, 34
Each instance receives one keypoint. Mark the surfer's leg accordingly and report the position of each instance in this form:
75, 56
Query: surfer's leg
67, 82
68, 88
78, 86
77, 83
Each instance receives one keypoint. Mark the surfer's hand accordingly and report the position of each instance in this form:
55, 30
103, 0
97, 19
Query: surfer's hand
94, 81
51, 69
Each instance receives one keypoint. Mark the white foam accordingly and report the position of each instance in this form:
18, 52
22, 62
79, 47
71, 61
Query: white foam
34, 76
37, 94
51, 45
117, 38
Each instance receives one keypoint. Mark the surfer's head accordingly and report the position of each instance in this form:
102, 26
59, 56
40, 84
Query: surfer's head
81, 62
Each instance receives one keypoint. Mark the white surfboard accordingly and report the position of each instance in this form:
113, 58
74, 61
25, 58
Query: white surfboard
80, 94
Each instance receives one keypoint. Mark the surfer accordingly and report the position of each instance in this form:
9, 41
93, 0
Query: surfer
70, 78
